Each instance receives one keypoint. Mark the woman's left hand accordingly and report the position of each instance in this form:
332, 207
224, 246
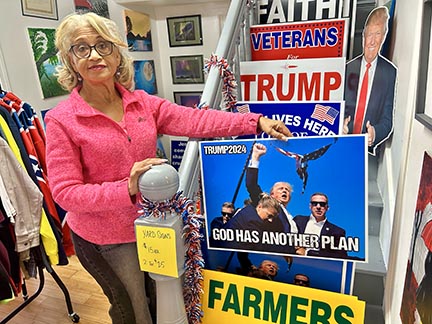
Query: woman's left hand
274, 128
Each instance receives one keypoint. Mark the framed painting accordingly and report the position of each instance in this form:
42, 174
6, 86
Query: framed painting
187, 98
40, 8
99, 7
184, 31
138, 31
145, 77
187, 69
46, 60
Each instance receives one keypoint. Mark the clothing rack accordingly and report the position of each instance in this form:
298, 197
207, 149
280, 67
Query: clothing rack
38, 252
43, 263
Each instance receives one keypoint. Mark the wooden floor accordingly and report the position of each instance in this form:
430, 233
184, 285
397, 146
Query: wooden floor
49, 307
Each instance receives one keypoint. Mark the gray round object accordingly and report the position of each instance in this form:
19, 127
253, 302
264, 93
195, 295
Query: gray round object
159, 183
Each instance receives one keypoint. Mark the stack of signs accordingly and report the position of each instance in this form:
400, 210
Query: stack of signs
296, 75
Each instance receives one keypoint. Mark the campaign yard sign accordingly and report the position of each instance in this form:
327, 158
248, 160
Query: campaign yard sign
312, 39
288, 11
333, 166
302, 118
226, 299
293, 80
281, 11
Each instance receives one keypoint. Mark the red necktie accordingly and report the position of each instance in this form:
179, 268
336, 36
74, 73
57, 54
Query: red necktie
360, 111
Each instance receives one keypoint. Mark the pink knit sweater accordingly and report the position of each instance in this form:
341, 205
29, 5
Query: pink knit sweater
89, 156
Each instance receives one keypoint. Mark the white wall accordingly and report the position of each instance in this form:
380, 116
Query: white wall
394, 156
18, 70
410, 140
21, 76
212, 16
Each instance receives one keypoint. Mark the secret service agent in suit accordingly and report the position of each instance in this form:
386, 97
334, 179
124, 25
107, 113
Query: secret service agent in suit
377, 121
318, 224
281, 191
227, 212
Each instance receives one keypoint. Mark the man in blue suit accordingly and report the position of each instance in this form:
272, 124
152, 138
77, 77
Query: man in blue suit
281, 191
318, 224
376, 120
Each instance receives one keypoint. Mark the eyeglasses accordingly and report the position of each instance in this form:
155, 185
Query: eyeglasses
83, 51
227, 214
316, 203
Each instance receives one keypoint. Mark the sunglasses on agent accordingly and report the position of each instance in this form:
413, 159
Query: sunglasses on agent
319, 203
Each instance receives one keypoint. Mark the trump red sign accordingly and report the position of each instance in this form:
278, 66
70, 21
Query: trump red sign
293, 80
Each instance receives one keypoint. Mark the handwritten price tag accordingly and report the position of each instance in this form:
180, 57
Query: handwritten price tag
157, 250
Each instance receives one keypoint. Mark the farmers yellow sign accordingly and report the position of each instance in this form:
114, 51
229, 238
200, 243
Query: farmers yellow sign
236, 299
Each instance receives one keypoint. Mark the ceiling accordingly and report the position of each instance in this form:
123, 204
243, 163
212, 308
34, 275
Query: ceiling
159, 3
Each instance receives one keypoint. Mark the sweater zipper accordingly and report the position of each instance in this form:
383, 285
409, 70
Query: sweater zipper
124, 130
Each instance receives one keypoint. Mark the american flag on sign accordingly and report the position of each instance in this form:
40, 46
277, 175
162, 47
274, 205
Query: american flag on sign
243, 109
303, 160
325, 113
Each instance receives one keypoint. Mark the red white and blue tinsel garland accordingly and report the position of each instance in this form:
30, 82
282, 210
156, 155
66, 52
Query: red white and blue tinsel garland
229, 88
194, 262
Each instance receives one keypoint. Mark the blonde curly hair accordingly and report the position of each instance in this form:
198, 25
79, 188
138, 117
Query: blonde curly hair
108, 30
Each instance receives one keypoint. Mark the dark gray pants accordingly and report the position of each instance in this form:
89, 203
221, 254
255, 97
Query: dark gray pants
116, 269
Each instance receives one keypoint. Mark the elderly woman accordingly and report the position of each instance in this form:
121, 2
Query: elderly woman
101, 139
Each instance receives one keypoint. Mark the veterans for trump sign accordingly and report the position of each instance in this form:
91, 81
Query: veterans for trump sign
293, 80
317, 39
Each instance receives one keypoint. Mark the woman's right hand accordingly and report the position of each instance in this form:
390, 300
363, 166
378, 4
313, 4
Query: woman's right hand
274, 128
139, 168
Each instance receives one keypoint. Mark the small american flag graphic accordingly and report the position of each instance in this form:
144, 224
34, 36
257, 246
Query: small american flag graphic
243, 109
325, 113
